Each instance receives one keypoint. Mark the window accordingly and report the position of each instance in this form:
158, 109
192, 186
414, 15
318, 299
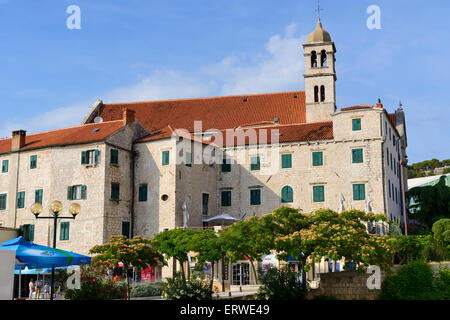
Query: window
126, 229
313, 59
205, 201
322, 93
318, 194
38, 196
359, 192
114, 156
323, 58
5, 164
77, 192
356, 124
286, 161
188, 159
387, 157
316, 94
27, 231
287, 194
226, 165
396, 195
89, 157
255, 197
33, 162
64, 231
391, 160
357, 155
3, 201
255, 163
390, 133
226, 198
389, 183
21, 199
143, 192
115, 191
317, 158
165, 158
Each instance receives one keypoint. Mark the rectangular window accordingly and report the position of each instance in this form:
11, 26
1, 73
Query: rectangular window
5, 164
387, 157
255, 197
78, 192
390, 134
286, 161
38, 196
205, 202
389, 183
318, 194
64, 231
226, 165
3, 201
356, 124
89, 157
165, 158
359, 192
27, 231
396, 195
33, 162
317, 158
115, 191
21, 199
188, 159
143, 192
126, 229
114, 156
226, 198
357, 155
255, 163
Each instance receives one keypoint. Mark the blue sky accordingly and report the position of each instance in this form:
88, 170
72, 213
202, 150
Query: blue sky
143, 50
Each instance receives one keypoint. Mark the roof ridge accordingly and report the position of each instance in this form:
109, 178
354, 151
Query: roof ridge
206, 98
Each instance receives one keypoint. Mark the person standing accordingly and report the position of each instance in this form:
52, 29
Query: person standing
46, 291
38, 289
31, 288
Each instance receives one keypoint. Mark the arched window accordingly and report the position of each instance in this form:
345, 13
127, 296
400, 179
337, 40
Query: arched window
287, 194
313, 59
316, 94
322, 93
323, 58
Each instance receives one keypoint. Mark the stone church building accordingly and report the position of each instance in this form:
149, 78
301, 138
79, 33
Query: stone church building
138, 168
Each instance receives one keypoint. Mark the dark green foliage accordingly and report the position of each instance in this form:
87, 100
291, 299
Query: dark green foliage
407, 248
441, 239
281, 284
146, 289
193, 289
414, 281
419, 169
432, 202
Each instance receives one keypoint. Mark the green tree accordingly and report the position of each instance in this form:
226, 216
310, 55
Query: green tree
441, 238
431, 202
137, 252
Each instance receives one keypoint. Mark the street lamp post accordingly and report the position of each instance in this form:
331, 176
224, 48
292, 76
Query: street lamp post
55, 211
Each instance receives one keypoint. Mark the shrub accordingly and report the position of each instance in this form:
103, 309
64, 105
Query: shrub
194, 288
443, 282
281, 284
146, 289
414, 281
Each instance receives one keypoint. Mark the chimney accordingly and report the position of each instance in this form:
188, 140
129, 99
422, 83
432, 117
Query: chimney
18, 139
128, 116
379, 104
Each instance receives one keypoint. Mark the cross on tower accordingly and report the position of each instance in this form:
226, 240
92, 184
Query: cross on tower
319, 8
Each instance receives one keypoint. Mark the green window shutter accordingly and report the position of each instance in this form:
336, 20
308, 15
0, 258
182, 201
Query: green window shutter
356, 124
31, 232
389, 183
21, 199
188, 159
126, 229
38, 196
287, 195
318, 194
255, 197
359, 192
317, 158
165, 158
64, 231
143, 192
357, 156
33, 162
255, 163
83, 192
69, 193
84, 157
286, 161
226, 167
5, 164
96, 153
226, 198
114, 159
115, 191
3, 201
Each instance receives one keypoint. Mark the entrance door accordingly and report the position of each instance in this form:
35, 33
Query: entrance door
241, 274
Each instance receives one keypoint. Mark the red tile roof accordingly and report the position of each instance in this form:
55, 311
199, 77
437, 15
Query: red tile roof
66, 136
215, 113
393, 118
357, 107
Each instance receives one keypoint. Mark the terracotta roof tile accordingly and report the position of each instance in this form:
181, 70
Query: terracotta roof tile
357, 107
393, 118
215, 113
65, 136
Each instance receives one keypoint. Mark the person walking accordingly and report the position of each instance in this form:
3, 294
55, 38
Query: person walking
46, 291
31, 288
38, 289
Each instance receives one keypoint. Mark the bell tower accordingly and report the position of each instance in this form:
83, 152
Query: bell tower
320, 75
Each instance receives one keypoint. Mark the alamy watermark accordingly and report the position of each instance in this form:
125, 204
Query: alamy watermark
74, 281
374, 280
374, 20
74, 20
